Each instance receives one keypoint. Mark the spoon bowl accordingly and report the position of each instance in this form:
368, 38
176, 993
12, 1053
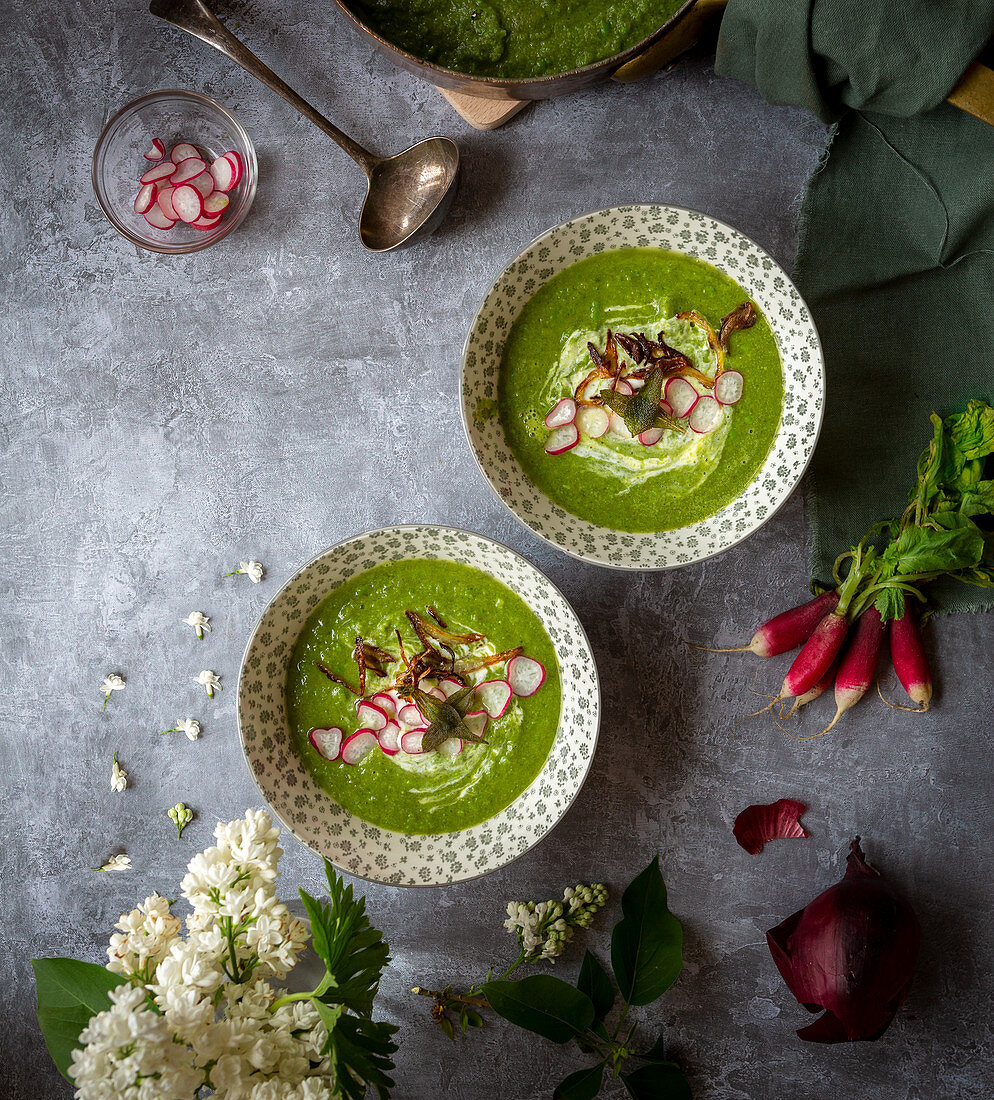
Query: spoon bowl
409, 194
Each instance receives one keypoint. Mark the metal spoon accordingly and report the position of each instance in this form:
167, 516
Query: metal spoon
406, 195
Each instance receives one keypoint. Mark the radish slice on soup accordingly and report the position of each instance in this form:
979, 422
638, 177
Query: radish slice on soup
651, 437
449, 686
728, 387
328, 741
386, 703
681, 396
410, 742
451, 747
495, 697
389, 738
370, 716
705, 416
562, 413
476, 721
593, 421
562, 439
358, 746
525, 675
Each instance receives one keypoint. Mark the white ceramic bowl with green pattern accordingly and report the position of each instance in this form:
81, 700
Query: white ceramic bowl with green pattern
703, 238
352, 844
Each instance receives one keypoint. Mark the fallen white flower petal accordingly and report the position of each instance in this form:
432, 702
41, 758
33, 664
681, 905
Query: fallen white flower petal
251, 569
189, 726
209, 681
113, 682
120, 862
118, 776
199, 621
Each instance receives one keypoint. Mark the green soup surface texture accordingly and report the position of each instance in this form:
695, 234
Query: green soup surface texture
428, 793
513, 39
614, 481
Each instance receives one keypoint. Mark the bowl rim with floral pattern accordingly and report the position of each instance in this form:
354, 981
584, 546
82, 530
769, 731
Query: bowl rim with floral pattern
691, 233
349, 843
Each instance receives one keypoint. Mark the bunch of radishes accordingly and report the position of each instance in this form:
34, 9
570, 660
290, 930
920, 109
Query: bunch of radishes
568, 419
822, 627
186, 187
389, 721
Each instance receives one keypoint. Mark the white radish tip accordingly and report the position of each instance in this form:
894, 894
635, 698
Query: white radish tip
525, 675
562, 439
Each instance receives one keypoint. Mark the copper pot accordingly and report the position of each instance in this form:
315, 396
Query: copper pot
681, 31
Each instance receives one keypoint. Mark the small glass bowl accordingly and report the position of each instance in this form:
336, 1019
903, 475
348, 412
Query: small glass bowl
170, 115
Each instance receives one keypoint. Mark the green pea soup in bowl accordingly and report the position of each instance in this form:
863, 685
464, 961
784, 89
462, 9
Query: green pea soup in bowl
643, 387
419, 705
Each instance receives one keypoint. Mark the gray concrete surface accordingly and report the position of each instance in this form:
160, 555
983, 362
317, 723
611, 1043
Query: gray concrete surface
161, 419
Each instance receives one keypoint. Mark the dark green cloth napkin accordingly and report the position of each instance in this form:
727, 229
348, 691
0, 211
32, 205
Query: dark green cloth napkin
896, 247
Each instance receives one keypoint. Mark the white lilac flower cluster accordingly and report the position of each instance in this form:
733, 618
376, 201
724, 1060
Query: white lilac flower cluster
198, 1011
545, 928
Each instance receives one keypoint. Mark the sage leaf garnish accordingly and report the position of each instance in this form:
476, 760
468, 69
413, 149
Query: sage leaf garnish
639, 410
445, 719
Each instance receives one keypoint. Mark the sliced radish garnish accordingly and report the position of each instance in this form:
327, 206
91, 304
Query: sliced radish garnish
450, 685
437, 693
154, 216
145, 198
369, 715
525, 675
187, 202
157, 150
476, 721
618, 428
666, 407
187, 169
214, 201
235, 160
623, 386
409, 716
411, 741
650, 437
563, 412
562, 439
203, 224
389, 738
158, 172
452, 746
359, 745
494, 697
593, 421
164, 197
183, 151
680, 395
705, 416
328, 742
204, 183
224, 172
728, 387
386, 703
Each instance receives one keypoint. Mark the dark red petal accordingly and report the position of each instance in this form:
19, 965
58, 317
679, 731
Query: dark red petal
778, 820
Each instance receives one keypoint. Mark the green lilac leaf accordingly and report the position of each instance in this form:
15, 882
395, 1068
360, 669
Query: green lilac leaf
656, 1053
69, 993
657, 1081
595, 981
647, 943
545, 1005
361, 1050
352, 949
585, 1084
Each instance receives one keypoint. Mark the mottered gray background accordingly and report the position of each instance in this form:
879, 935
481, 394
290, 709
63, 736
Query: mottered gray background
163, 418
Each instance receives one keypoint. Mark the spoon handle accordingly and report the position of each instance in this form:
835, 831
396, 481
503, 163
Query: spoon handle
197, 19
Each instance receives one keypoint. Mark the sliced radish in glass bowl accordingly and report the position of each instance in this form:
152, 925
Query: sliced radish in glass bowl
186, 132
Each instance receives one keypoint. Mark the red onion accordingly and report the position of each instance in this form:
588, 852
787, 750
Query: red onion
852, 952
779, 820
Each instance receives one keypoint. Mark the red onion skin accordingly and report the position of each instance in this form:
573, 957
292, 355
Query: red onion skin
852, 952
